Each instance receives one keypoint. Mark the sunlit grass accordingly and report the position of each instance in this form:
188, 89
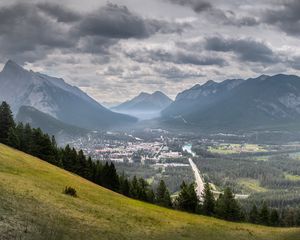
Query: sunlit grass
251, 185
292, 177
229, 148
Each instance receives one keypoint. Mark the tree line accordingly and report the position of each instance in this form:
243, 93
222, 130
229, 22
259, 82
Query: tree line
36, 143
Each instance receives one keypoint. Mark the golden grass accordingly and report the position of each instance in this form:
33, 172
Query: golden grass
32, 206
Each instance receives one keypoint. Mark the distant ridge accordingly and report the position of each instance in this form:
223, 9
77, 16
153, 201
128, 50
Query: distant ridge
145, 105
256, 103
47, 123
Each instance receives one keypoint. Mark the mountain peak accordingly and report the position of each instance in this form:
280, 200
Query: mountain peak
143, 94
158, 93
11, 66
155, 101
209, 83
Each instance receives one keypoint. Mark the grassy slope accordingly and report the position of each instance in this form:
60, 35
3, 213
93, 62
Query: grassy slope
32, 206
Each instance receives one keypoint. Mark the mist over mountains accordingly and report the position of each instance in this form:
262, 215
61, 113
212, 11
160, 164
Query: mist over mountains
55, 97
145, 105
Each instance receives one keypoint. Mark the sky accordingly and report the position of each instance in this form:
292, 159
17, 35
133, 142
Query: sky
113, 50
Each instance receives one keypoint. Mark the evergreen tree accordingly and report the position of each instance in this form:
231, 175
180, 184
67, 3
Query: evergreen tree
6, 122
20, 133
124, 185
297, 219
142, 190
134, 188
113, 178
253, 215
274, 218
208, 205
187, 199
289, 218
151, 196
81, 168
28, 140
13, 139
264, 215
163, 197
227, 207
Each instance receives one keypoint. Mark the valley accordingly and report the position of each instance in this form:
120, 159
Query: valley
153, 120
256, 171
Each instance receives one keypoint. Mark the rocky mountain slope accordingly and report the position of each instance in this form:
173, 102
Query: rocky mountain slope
55, 97
263, 102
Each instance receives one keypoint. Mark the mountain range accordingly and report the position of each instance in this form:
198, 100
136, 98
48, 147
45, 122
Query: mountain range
145, 105
265, 102
53, 96
255, 103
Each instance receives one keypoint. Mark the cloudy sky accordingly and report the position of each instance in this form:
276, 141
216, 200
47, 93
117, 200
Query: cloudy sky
115, 49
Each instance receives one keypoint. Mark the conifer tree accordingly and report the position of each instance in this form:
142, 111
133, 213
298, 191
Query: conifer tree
264, 215
134, 188
13, 139
151, 196
6, 122
124, 185
163, 197
274, 218
227, 207
187, 199
253, 215
208, 205
113, 178
143, 190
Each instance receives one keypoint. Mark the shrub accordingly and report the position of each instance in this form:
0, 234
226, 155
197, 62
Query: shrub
70, 191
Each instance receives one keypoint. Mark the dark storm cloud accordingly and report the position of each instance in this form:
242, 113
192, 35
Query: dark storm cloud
177, 57
217, 14
286, 18
96, 44
29, 32
60, 13
114, 21
245, 49
196, 5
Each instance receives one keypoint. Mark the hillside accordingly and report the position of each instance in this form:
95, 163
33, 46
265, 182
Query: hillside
48, 124
32, 206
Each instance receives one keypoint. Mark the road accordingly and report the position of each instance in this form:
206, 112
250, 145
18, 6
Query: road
198, 179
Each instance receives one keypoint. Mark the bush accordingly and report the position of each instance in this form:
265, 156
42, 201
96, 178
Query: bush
70, 191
